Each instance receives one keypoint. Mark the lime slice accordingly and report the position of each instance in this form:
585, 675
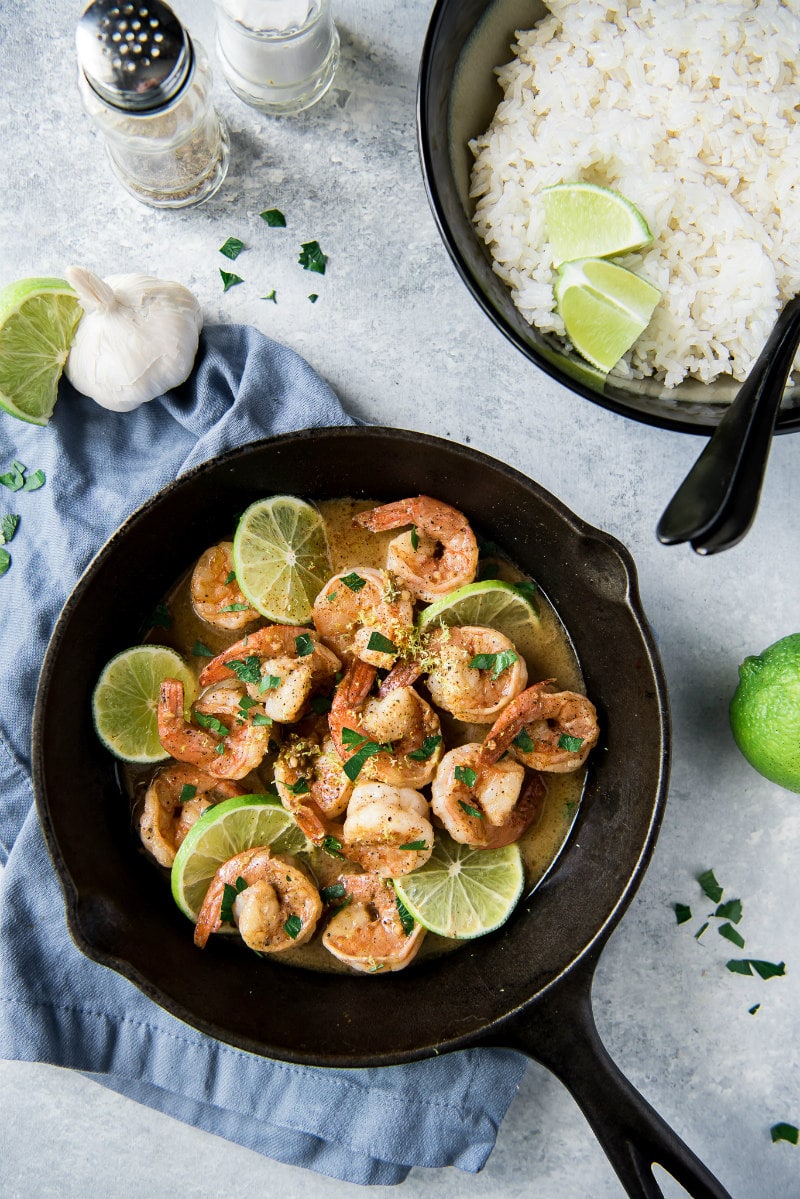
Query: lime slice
604, 308
584, 220
38, 319
125, 700
281, 556
492, 604
463, 892
222, 831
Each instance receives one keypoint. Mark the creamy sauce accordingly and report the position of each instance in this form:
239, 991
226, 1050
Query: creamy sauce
548, 654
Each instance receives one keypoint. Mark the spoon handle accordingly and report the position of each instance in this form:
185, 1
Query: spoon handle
736, 455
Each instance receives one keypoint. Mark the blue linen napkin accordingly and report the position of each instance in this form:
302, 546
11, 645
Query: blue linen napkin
56, 1006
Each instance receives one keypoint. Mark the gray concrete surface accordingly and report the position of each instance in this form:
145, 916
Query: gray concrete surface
402, 342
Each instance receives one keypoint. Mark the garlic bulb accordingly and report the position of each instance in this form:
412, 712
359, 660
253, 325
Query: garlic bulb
137, 338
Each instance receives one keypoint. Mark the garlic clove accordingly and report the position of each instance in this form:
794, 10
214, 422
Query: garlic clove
138, 338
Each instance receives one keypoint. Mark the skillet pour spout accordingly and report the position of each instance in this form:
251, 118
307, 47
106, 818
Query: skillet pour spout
118, 905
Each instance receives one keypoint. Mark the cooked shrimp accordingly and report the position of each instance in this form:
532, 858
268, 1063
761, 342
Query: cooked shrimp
280, 664
475, 672
311, 781
485, 805
367, 932
216, 597
437, 555
358, 608
561, 727
402, 728
387, 829
178, 794
226, 751
277, 906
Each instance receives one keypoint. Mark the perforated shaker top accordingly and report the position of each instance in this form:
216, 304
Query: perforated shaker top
136, 57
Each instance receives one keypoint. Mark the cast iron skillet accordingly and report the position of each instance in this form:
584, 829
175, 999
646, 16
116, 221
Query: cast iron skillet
526, 986
458, 94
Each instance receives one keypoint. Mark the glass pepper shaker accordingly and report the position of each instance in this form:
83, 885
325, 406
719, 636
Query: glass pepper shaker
279, 56
147, 87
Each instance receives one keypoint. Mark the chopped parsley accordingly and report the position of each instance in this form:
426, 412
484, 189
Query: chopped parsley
271, 295
293, 925
729, 932
260, 718
571, 744
524, 742
229, 894
246, 703
682, 912
710, 886
764, 970
8, 527
415, 845
426, 750
301, 787
527, 590
5, 560
414, 539
700, 931
274, 218
188, 791
313, 297
497, 663
231, 578
320, 704
311, 257
235, 608
333, 892
752, 1010
304, 644
35, 481
351, 737
406, 919
201, 650
229, 280
232, 248
353, 766
211, 722
785, 1132
269, 682
466, 775
730, 910
468, 808
161, 618
332, 846
247, 670
354, 581
15, 478
381, 644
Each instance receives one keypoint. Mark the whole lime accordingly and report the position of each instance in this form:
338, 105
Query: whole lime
765, 712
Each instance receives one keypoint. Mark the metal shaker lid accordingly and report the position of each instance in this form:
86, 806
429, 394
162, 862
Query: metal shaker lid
136, 57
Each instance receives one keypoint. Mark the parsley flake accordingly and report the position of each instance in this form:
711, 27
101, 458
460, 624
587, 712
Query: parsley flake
414, 845
247, 670
414, 539
571, 744
232, 248
700, 931
304, 644
8, 527
764, 970
272, 295
293, 925
313, 297
381, 644
35, 481
333, 892
354, 581
524, 742
354, 764
229, 894
235, 608
497, 663
274, 218
426, 750
14, 479
231, 578
730, 910
710, 885
229, 280
682, 912
466, 775
320, 704
752, 1010
211, 722
301, 787
5, 561
161, 618
311, 257
269, 682
406, 919
729, 932
201, 650
260, 718
332, 846
188, 791
468, 808
785, 1132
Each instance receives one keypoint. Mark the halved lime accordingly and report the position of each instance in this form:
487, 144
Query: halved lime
125, 700
492, 604
463, 892
223, 831
38, 319
585, 220
281, 556
604, 308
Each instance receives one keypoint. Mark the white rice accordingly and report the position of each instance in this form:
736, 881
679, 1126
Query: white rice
690, 109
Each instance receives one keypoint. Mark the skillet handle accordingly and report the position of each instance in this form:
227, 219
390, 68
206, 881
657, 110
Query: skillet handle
559, 1031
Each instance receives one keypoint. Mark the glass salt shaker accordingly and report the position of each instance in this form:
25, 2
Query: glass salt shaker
279, 56
147, 87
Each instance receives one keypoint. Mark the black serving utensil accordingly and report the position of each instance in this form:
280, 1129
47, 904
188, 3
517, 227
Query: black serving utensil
716, 503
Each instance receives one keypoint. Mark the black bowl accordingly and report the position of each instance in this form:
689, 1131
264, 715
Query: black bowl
458, 94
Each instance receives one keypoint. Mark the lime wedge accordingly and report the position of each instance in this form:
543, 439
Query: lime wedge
492, 604
604, 308
125, 700
281, 556
463, 892
38, 319
587, 221
222, 831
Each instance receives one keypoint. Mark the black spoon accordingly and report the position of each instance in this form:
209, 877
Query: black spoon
717, 501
